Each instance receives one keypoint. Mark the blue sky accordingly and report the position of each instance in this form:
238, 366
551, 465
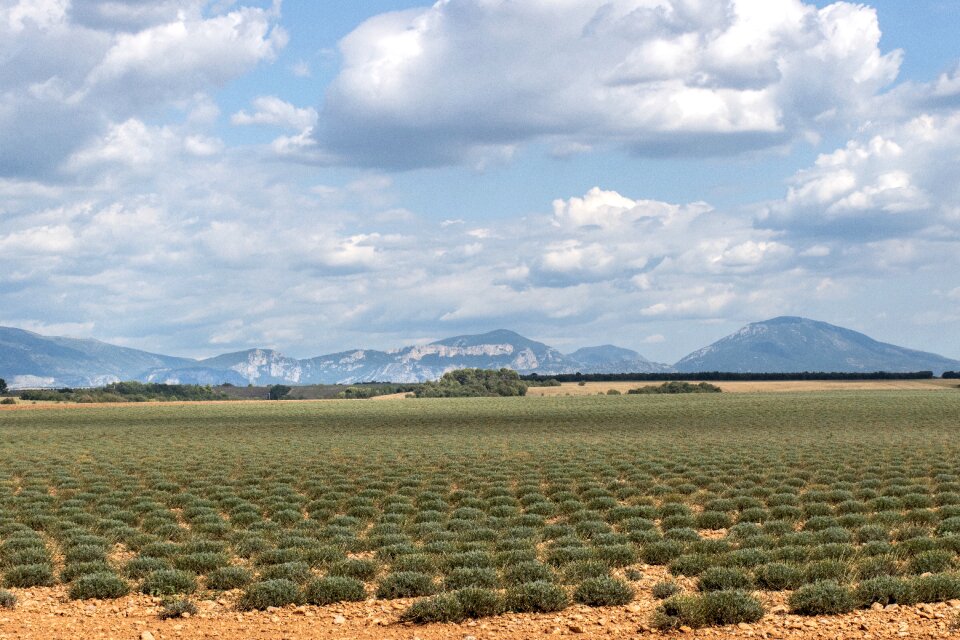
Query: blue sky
196, 177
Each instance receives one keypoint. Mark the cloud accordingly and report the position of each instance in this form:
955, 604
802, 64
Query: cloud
89, 66
897, 182
468, 81
270, 110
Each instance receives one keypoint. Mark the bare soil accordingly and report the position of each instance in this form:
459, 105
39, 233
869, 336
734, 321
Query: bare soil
46, 613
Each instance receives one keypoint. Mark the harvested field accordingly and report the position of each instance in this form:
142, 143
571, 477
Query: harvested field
763, 386
274, 506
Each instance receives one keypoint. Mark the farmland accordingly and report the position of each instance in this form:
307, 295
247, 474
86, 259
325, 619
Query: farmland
472, 507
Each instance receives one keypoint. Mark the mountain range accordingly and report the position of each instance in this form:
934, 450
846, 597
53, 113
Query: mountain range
785, 344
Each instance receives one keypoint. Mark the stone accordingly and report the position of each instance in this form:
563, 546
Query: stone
575, 628
339, 620
146, 635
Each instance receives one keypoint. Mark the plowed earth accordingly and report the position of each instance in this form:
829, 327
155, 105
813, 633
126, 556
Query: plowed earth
46, 613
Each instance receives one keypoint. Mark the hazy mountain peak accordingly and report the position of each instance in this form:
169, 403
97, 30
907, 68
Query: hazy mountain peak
790, 344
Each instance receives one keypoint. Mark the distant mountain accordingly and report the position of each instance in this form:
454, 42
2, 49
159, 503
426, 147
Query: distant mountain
790, 345
610, 359
30, 359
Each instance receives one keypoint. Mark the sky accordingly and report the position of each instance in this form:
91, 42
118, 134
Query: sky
195, 177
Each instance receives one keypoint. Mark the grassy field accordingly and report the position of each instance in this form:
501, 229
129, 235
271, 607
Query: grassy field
845, 498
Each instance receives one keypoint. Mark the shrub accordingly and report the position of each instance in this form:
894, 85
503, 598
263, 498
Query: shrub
355, 568
584, 569
713, 520
536, 597
405, 584
691, 564
73, 571
445, 607
269, 593
292, 571
102, 586
29, 575
477, 602
822, 598
616, 555
935, 561
7, 599
828, 570
884, 590
724, 578
936, 588
85, 553
201, 562
661, 553
168, 582
177, 608
333, 589
227, 578
143, 565
713, 608
602, 592
524, 572
778, 576
470, 577
665, 589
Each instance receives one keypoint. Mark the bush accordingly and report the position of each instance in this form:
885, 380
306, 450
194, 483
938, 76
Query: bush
935, 561
470, 577
101, 586
713, 608
29, 575
724, 579
445, 607
333, 589
659, 553
355, 568
168, 582
405, 584
884, 590
537, 597
584, 569
822, 598
177, 608
936, 588
602, 592
665, 589
227, 578
292, 571
73, 571
477, 602
269, 593
143, 565
202, 562
778, 576
524, 572
7, 599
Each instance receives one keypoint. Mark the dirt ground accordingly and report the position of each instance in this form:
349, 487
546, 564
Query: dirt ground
593, 388
44, 614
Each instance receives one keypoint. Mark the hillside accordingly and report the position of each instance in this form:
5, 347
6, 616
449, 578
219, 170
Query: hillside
791, 344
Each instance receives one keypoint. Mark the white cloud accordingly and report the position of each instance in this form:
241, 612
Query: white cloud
897, 181
465, 80
93, 65
270, 110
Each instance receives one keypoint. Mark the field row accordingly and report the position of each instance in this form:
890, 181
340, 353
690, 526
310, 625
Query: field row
523, 504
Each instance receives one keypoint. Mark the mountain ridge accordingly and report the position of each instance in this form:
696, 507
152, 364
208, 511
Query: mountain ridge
787, 344
792, 344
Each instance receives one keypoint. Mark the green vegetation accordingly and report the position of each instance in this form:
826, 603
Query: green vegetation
473, 383
177, 608
480, 505
128, 392
677, 387
3, 386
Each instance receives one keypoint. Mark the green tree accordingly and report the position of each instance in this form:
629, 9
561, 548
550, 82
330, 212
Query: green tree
3, 386
279, 391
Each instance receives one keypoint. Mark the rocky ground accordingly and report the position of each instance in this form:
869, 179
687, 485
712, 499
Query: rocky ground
47, 613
